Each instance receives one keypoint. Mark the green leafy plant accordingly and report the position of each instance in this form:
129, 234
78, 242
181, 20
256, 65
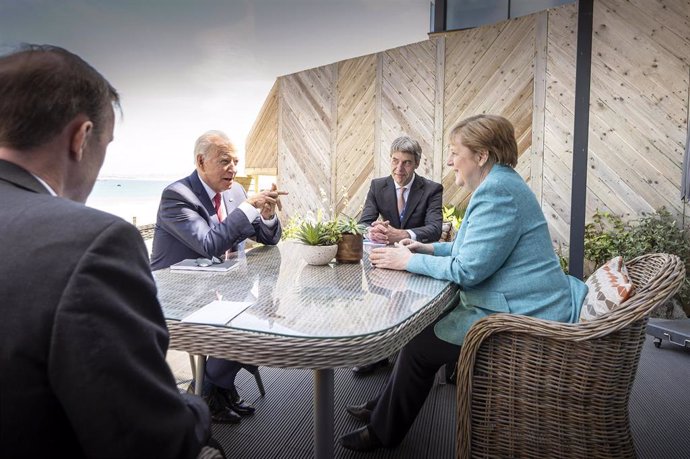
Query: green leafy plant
350, 225
312, 231
347, 224
318, 233
322, 229
290, 228
453, 215
452, 218
562, 260
607, 236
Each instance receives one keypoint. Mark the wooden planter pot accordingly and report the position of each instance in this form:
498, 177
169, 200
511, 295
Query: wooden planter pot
350, 248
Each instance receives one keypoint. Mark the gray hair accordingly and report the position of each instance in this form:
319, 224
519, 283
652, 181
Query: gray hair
210, 141
405, 144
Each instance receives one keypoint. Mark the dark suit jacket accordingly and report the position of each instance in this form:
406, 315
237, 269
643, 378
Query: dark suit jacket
187, 225
82, 336
423, 213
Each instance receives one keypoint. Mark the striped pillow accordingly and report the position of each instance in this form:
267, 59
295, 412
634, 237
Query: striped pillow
609, 286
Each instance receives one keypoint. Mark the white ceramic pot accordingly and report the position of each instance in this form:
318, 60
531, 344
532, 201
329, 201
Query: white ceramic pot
318, 254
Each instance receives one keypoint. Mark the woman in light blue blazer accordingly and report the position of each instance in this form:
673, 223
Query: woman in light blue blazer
502, 259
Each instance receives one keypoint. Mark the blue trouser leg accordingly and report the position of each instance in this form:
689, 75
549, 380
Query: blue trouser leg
221, 372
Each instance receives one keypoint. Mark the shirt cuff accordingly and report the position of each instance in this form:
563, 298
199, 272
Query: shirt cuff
412, 235
249, 210
270, 223
252, 214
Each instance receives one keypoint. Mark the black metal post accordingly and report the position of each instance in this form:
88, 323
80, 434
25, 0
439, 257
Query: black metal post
323, 414
440, 16
578, 200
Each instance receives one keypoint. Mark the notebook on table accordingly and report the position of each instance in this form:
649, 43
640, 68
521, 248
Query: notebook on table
204, 264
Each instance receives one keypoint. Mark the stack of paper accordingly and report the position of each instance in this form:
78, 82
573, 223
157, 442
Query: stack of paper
192, 265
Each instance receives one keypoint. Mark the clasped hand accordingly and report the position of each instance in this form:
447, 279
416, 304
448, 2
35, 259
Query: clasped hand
382, 233
266, 201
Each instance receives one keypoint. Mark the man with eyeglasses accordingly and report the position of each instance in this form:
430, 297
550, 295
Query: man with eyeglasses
402, 205
203, 216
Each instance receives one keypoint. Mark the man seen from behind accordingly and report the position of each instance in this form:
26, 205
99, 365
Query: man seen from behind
82, 335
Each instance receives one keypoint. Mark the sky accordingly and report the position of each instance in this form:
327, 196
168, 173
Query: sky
185, 67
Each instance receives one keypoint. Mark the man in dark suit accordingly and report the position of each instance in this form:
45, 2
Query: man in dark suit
408, 204
206, 215
82, 335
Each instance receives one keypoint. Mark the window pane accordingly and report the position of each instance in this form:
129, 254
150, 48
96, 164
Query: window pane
473, 13
524, 7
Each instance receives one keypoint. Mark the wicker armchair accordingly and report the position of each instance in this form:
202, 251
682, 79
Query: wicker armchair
532, 388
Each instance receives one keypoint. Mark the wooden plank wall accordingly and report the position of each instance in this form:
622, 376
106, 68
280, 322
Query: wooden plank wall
352, 169
335, 123
408, 96
639, 100
262, 140
305, 124
489, 70
558, 120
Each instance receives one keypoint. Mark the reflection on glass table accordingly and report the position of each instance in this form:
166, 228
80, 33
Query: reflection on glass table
294, 315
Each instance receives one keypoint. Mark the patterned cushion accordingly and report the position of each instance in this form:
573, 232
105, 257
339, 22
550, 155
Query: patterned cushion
609, 286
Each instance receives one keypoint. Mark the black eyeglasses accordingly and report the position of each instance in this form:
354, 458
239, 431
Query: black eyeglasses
204, 262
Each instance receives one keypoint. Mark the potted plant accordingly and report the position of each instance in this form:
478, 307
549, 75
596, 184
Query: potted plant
351, 243
320, 238
340, 235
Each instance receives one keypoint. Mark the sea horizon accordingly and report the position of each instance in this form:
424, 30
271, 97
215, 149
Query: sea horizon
135, 199
132, 199
155, 177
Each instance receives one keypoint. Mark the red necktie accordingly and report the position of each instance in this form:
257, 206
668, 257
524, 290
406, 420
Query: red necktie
216, 205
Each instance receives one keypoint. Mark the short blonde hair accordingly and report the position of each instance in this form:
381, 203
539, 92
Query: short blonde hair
492, 133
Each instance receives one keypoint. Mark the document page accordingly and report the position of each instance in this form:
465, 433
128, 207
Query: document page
217, 312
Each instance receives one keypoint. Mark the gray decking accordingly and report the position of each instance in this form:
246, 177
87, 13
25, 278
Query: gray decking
282, 425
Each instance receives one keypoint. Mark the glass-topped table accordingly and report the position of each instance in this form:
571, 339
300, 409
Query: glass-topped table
301, 316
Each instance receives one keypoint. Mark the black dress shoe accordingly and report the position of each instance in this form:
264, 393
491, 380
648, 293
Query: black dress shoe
225, 415
369, 368
234, 402
243, 408
362, 440
220, 411
360, 412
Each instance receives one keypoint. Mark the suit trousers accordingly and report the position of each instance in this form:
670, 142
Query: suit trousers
221, 372
408, 386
